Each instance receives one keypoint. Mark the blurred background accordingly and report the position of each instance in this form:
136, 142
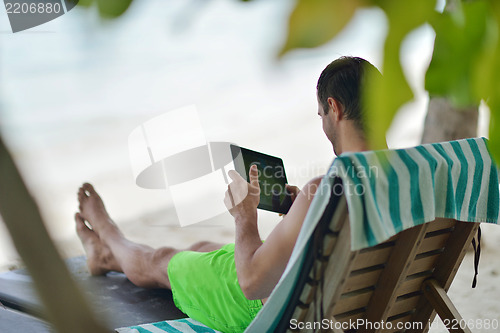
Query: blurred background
73, 89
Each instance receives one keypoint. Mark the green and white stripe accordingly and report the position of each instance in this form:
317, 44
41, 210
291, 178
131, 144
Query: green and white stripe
186, 325
455, 179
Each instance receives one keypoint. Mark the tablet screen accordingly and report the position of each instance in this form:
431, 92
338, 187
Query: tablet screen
272, 177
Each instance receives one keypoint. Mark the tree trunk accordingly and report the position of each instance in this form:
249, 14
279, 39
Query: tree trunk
65, 305
445, 122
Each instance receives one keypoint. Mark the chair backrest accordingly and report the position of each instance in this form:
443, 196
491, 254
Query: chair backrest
393, 282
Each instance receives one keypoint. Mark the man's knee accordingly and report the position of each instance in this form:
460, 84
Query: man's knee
198, 246
159, 262
161, 257
151, 270
205, 246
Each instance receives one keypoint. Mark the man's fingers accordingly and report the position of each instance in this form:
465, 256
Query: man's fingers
254, 176
237, 190
292, 189
230, 194
234, 175
228, 199
237, 198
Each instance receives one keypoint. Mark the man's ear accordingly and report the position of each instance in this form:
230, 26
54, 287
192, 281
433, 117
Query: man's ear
335, 108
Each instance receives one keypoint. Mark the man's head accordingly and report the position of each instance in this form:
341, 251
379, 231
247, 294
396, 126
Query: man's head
340, 100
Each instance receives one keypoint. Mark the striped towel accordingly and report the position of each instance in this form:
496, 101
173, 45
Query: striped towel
175, 326
391, 190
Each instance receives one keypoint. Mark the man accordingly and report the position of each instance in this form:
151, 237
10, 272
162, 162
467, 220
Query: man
225, 286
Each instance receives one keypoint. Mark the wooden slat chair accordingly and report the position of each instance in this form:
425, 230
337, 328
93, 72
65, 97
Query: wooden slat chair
402, 280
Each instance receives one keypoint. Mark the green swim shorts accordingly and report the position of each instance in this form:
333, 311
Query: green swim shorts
205, 287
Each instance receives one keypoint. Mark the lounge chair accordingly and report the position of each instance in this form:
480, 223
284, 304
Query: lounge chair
402, 281
113, 297
362, 262
13, 321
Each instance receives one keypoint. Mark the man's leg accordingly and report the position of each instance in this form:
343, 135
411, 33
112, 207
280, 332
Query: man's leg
107, 249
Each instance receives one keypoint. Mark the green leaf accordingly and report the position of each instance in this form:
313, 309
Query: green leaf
494, 131
112, 8
315, 22
487, 79
85, 3
387, 95
460, 40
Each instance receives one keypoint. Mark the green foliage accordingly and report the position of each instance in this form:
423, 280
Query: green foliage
108, 8
112, 8
85, 3
315, 22
385, 97
460, 39
486, 81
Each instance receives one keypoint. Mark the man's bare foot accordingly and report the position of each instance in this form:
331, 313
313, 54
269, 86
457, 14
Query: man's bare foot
93, 211
100, 260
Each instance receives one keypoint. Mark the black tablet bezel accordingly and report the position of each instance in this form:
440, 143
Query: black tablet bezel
240, 155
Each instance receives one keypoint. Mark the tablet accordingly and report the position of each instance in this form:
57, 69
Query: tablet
272, 178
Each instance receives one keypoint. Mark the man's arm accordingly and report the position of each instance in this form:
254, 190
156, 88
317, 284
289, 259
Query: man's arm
260, 265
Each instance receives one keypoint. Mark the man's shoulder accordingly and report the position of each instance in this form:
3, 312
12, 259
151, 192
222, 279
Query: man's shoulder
313, 184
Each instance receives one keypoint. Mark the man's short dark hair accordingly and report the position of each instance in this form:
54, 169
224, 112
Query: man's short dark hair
344, 79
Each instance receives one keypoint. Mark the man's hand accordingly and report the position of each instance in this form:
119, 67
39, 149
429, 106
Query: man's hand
242, 198
293, 190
